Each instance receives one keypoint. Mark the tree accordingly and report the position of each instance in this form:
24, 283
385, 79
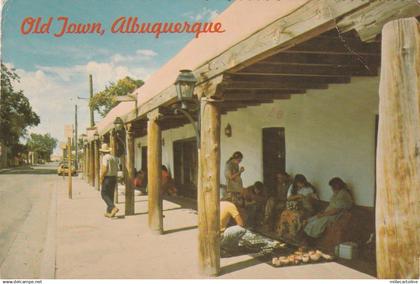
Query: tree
16, 113
104, 101
43, 144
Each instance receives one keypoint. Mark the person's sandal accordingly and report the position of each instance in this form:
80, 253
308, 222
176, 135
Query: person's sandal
114, 211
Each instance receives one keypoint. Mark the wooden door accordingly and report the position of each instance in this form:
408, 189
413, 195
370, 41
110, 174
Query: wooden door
186, 167
144, 158
274, 154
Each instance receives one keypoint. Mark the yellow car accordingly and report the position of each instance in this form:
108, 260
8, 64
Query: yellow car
63, 169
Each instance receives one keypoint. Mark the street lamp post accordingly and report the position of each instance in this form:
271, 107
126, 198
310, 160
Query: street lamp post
125, 159
184, 84
97, 157
76, 146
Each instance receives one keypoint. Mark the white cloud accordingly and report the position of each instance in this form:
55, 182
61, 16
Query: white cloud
53, 90
140, 55
205, 14
147, 53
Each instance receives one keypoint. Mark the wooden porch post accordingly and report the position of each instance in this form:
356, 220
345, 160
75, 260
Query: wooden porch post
84, 162
88, 174
92, 164
398, 156
97, 144
154, 172
208, 189
87, 163
129, 168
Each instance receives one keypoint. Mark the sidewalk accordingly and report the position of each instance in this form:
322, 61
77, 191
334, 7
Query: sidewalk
88, 245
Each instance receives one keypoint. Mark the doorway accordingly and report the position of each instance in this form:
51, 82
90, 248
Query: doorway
144, 158
186, 166
274, 154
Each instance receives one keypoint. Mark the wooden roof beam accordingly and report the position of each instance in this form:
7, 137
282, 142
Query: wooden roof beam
369, 20
333, 45
283, 78
311, 70
252, 97
321, 59
308, 21
272, 85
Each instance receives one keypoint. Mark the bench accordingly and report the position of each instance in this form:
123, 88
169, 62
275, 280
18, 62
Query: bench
354, 225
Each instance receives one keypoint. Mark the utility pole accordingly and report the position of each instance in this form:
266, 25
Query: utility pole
69, 164
92, 119
76, 141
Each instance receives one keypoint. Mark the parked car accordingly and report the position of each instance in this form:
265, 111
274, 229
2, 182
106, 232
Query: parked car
63, 169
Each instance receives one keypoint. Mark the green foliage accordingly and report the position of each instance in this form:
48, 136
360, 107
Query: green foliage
43, 144
16, 113
104, 101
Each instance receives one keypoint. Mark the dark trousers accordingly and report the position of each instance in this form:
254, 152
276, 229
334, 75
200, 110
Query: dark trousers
107, 192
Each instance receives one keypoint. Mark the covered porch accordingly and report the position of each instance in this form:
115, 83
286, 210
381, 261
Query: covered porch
311, 73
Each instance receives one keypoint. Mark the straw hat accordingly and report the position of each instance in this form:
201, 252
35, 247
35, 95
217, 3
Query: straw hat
105, 148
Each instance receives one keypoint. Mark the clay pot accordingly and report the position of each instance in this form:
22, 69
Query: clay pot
283, 260
314, 256
324, 255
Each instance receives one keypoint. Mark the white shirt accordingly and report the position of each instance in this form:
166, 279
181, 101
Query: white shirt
111, 163
305, 191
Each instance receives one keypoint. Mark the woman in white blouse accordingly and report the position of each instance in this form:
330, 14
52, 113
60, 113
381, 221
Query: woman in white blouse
302, 190
300, 197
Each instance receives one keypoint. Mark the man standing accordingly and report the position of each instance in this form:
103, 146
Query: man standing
109, 170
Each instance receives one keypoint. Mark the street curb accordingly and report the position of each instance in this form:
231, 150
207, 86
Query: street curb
48, 260
5, 170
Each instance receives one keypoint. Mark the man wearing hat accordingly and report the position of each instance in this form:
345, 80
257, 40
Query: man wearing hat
109, 171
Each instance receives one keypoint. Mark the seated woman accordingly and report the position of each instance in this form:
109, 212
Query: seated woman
168, 185
277, 202
299, 207
340, 201
302, 191
140, 182
254, 198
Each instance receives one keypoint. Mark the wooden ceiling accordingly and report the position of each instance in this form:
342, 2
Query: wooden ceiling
330, 58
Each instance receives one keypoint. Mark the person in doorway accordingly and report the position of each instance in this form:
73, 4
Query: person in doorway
277, 202
233, 177
109, 171
168, 184
339, 202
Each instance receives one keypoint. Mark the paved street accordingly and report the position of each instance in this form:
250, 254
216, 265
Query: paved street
25, 198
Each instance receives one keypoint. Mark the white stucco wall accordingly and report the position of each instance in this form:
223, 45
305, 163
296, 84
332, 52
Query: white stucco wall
328, 133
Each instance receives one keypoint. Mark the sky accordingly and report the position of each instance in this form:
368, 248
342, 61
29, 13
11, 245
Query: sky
54, 70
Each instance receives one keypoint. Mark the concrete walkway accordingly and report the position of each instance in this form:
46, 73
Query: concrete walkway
88, 245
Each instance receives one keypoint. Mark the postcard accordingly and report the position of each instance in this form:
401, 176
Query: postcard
210, 139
